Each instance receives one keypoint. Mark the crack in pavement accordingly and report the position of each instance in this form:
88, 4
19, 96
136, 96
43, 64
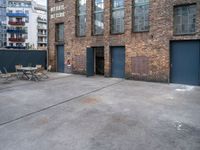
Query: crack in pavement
57, 104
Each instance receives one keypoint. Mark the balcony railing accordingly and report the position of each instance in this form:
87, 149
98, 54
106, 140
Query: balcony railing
42, 27
41, 20
42, 42
16, 47
42, 34
16, 23
22, 31
17, 15
17, 39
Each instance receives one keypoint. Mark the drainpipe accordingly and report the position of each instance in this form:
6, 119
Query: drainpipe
47, 33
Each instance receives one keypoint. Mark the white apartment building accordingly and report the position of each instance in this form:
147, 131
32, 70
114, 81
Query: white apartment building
2, 23
26, 25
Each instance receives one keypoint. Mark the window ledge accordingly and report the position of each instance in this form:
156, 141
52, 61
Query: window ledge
116, 33
141, 31
185, 34
97, 34
80, 36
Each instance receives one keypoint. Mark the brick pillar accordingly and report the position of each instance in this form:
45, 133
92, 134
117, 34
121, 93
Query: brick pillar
128, 38
107, 16
52, 48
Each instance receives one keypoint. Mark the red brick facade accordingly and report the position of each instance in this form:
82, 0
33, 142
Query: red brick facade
147, 53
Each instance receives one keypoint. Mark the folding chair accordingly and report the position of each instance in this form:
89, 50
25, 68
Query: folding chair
41, 73
45, 72
18, 73
38, 66
6, 75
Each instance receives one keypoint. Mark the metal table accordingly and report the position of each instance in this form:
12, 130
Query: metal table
29, 71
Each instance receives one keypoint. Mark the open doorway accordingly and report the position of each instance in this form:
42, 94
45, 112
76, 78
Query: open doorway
95, 61
99, 60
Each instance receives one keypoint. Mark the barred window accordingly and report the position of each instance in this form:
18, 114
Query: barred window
81, 18
141, 15
60, 32
117, 23
185, 19
98, 20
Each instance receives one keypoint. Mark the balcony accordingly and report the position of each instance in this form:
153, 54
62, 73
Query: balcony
16, 39
16, 15
42, 35
22, 31
22, 23
42, 41
41, 20
42, 27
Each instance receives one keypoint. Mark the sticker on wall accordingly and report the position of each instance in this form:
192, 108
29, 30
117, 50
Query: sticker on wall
68, 68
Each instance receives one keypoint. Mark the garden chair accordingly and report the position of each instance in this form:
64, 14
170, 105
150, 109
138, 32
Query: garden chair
6, 75
38, 66
39, 71
45, 72
42, 73
18, 73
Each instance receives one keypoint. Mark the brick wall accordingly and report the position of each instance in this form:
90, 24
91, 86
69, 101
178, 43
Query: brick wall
153, 46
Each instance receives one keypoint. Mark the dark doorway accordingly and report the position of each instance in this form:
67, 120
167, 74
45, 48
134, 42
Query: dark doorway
99, 57
95, 61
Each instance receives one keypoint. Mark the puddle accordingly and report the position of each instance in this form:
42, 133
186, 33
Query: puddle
187, 129
185, 89
178, 126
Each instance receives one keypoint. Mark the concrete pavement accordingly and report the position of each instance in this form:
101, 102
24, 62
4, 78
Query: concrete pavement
79, 113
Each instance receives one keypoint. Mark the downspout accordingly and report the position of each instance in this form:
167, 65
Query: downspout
47, 33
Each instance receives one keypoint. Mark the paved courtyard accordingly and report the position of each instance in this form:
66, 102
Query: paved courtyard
72, 112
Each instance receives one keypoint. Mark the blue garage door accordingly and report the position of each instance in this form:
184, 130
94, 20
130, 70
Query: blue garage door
118, 62
60, 58
185, 62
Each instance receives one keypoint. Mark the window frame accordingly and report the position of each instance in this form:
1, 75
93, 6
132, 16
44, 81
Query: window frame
56, 34
174, 24
111, 18
133, 18
93, 18
77, 22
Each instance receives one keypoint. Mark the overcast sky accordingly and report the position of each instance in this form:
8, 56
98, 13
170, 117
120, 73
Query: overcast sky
43, 2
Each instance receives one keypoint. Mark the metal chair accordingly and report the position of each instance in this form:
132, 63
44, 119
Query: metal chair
18, 73
41, 73
5, 75
45, 72
38, 66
